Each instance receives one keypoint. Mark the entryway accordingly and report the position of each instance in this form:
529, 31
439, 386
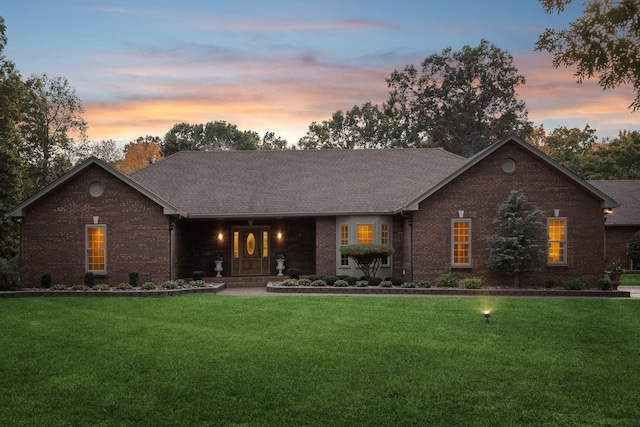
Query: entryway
251, 251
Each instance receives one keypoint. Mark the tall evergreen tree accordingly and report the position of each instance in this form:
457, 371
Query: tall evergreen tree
519, 246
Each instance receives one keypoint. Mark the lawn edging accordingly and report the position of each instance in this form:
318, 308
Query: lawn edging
585, 293
159, 292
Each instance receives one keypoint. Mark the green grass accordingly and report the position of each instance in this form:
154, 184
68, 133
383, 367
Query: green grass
630, 280
201, 360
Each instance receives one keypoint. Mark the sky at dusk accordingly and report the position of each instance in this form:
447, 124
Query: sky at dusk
140, 67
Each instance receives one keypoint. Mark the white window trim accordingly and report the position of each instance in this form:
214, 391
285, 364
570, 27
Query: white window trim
453, 263
348, 264
566, 234
86, 248
352, 223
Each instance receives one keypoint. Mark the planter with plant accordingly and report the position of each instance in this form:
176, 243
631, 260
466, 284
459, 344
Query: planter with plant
615, 270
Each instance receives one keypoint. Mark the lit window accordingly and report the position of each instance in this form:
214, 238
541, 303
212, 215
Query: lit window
557, 228
461, 242
344, 241
265, 244
365, 233
96, 249
235, 244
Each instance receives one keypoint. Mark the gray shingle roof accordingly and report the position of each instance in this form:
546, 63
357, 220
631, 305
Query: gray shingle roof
304, 182
625, 192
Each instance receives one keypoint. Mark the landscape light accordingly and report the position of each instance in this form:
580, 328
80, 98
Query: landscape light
486, 316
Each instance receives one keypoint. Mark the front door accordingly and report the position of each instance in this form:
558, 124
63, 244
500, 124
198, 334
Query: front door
251, 250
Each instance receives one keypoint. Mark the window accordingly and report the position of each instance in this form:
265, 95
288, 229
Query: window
384, 239
96, 249
365, 233
557, 229
235, 244
265, 244
344, 241
461, 243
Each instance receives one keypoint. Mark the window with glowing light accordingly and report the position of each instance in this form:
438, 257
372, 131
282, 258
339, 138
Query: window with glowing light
461, 242
235, 244
96, 249
265, 244
365, 233
557, 233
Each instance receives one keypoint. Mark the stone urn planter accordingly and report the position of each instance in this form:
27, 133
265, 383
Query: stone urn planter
615, 271
615, 277
280, 264
218, 267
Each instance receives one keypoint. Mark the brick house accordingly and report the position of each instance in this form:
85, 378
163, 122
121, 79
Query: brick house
623, 221
435, 208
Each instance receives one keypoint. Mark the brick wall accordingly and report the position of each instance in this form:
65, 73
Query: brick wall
53, 232
480, 191
325, 245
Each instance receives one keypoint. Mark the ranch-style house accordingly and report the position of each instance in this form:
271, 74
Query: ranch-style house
434, 207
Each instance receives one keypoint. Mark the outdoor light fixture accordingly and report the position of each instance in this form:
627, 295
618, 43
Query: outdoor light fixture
220, 237
608, 211
279, 235
96, 218
461, 213
556, 212
486, 316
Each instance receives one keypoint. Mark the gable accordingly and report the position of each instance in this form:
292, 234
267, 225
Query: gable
535, 160
92, 165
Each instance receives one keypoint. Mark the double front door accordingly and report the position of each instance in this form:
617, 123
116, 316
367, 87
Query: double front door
251, 250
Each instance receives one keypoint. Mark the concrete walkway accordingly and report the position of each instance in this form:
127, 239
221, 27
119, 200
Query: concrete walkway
634, 290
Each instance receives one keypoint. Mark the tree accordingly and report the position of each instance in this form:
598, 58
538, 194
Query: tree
633, 247
461, 101
360, 127
568, 146
213, 136
538, 138
141, 153
106, 150
519, 246
368, 256
12, 89
52, 114
272, 142
603, 42
617, 159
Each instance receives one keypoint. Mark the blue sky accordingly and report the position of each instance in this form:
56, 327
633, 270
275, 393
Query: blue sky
142, 66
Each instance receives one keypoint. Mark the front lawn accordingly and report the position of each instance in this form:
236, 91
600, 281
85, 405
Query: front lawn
319, 361
630, 280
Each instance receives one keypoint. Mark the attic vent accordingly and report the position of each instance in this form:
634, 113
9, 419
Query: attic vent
509, 165
96, 189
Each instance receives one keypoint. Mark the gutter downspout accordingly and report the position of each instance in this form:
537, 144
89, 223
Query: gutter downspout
172, 224
410, 223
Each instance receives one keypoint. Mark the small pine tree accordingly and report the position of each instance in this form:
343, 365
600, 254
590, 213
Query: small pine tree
633, 248
519, 246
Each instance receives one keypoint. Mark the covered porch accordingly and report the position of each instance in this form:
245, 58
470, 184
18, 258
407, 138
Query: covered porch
247, 247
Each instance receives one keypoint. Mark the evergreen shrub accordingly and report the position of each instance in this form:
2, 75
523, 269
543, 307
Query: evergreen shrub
447, 280
293, 273
134, 276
